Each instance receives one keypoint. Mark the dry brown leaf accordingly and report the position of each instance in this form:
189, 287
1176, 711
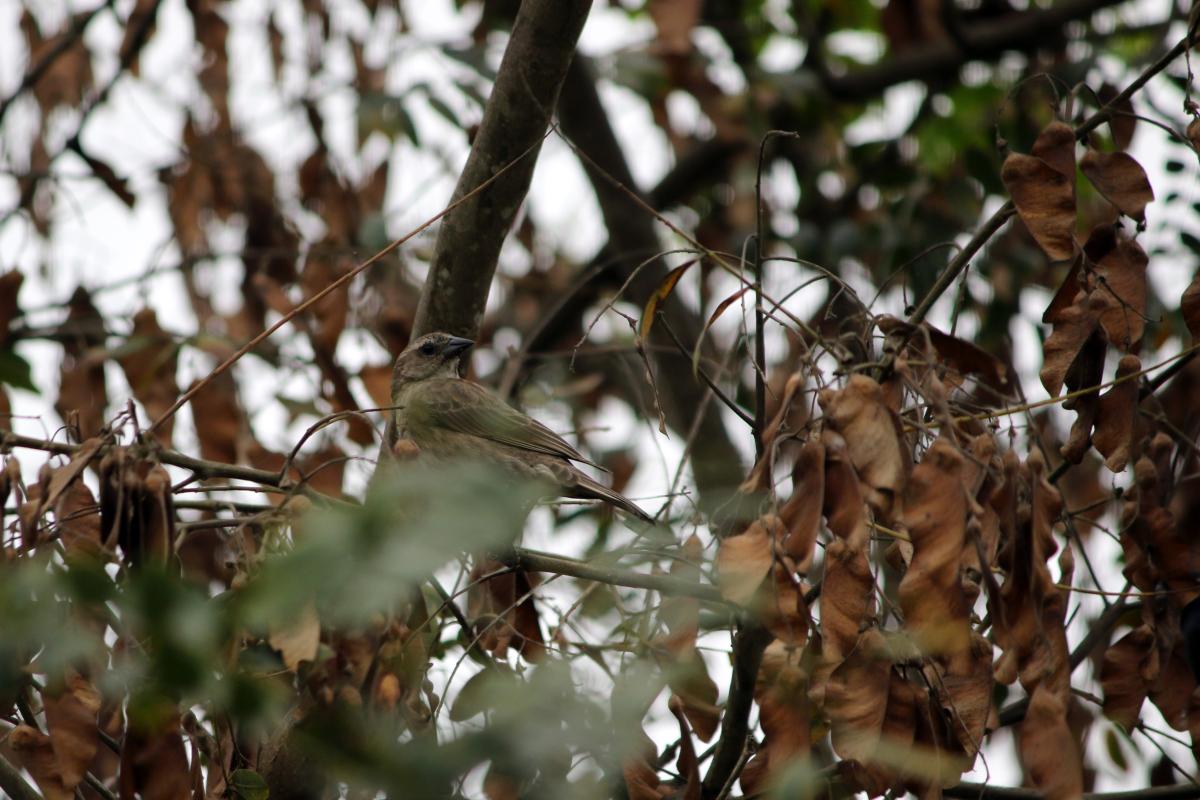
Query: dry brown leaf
78, 520
298, 639
154, 763
82, 389
1129, 668
501, 620
856, 698
1055, 144
957, 354
1115, 414
36, 754
1045, 200
1047, 748
675, 20
1189, 306
965, 691
872, 435
1121, 179
1119, 286
378, 383
935, 512
150, 362
1072, 330
1121, 121
218, 418
801, 513
785, 714
71, 718
745, 559
641, 777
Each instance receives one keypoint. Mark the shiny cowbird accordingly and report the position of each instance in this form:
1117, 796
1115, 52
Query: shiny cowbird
450, 419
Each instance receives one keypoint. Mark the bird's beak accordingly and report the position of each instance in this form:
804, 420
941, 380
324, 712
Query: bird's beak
456, 345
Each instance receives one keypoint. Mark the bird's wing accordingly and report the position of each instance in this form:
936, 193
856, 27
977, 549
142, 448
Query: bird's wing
466, 407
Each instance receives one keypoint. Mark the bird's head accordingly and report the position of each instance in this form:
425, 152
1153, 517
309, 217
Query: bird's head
434, 355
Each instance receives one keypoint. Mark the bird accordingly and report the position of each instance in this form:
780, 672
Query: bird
448, 418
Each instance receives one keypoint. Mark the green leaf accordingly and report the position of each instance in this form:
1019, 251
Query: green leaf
15, 371
249, 785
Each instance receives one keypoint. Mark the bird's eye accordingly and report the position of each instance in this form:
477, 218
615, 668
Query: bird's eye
427, 349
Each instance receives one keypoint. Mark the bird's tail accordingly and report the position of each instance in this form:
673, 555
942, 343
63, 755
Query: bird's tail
597, 490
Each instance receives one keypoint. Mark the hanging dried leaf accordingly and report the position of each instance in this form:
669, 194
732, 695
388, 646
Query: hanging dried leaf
10, 286
1055, 145
1121, 179
1043, 190
71, 718
872, 435
1047, 748
154, 763
659, 296
503, 612
150, 358
1115, 414
931, 596
856, 698
218, 418
1119, 286
78, 522
36, 754
1129, 669
298, 639
958, 354
82, 390
785, 714
744, 560
1072, 330
801, 514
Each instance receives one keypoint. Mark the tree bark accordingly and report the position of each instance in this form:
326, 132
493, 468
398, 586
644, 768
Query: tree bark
514, 123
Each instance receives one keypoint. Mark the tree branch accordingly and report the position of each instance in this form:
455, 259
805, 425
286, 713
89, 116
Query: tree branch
535, 561
515, 120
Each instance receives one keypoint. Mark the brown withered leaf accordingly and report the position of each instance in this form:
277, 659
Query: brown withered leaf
843, 503
10, 286
856, 698
1055, 144
378, 383
1121, 179
785, 714
68, 75
783, 610
324, 470
959, 354
686, 765
78, 521
1129, 668
1047, 747
136, 506
150, 358
1045, 198
1119, 288
1072, 330
218, 418
871, 432
330, 312
1189, 306
965, 692
82, 389
659, 296
154, 763
935, 513
1121, 122
674, 21
36, 754
71, 718
298, 639
501, 620
681, 615
1064, 296
744, 560
1115, 414
801, 513
1174, 691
